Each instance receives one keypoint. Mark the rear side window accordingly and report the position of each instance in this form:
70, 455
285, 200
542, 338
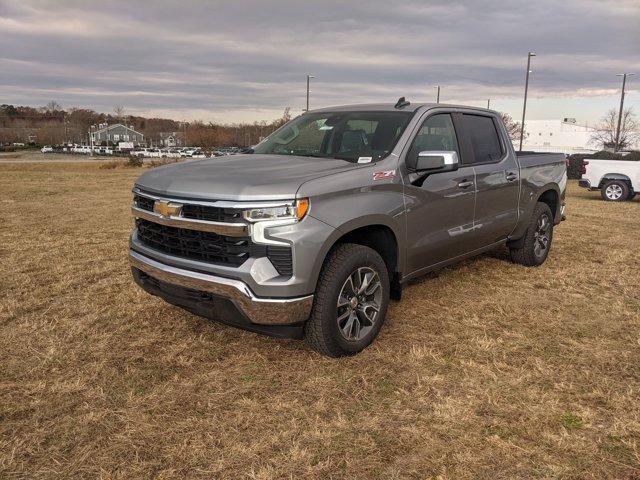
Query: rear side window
483, 137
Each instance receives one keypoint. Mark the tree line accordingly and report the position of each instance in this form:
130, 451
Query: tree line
53, 125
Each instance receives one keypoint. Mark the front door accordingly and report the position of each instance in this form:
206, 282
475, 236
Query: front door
439, 206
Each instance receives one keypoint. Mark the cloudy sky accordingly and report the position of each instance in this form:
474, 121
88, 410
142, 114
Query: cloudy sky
247, 60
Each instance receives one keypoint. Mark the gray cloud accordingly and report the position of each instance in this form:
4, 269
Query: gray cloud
247, 59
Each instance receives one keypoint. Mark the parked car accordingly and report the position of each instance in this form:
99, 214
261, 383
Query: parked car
102, 150
188, 152
139, 152
47, 149
331, 215
153, 153
84, 149
617, 180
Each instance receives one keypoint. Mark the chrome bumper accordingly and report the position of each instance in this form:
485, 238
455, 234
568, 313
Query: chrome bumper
261, 311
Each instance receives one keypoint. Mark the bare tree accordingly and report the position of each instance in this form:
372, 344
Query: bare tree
604, 135
52, 107
118, 111
513, 127
286, 116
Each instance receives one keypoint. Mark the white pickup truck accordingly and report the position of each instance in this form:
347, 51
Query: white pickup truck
617, 180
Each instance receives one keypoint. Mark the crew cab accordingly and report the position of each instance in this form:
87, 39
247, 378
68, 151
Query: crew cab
312, 232
617, 180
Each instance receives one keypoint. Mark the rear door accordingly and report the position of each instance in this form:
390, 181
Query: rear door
439, 206
497, 178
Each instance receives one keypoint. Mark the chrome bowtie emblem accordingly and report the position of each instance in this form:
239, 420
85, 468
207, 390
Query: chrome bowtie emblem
167, 209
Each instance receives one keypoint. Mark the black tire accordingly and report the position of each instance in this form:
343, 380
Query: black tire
322, 331
530, 252
615, 191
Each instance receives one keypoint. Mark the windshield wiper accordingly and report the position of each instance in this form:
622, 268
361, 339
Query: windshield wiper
334, 157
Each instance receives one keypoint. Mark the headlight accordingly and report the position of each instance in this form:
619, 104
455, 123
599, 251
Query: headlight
293, 211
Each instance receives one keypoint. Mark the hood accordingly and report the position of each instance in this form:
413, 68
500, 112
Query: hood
240, 177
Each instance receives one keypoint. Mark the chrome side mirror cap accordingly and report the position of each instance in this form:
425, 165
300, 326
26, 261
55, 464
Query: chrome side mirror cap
437, 161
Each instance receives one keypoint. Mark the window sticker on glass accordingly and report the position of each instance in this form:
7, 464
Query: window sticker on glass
322, 125
364, 159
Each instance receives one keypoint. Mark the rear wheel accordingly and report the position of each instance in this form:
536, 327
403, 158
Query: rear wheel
534, 247
615, 191
351, 301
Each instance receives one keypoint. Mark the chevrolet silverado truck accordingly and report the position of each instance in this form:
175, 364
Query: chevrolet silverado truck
312, 232
617, 180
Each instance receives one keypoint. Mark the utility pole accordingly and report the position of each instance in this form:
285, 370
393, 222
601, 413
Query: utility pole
309, 77
185, 133
526, 90
488, 103
438, 94
624, 82
91, 138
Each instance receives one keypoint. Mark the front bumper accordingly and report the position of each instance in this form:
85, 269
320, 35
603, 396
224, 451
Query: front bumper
253, 310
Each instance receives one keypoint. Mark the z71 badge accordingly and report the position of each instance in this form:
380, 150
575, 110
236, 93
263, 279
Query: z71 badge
384, 175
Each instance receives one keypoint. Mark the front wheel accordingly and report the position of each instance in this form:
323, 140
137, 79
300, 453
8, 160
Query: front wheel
350, 303
534, 248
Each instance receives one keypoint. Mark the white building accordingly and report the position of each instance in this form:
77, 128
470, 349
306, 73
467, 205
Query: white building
565, 136
172, 139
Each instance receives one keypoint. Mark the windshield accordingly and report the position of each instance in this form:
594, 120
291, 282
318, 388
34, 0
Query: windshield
351, 136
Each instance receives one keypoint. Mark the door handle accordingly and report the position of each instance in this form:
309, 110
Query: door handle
465, 184
511, 176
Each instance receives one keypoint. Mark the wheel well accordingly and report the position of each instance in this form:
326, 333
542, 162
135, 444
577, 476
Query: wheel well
615, 177
550, 197
381, 239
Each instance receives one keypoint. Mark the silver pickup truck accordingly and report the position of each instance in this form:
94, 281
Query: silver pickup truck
311, 233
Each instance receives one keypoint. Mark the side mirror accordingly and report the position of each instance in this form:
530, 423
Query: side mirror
437, 161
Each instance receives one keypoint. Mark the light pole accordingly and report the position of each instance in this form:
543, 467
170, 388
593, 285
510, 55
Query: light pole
438, 94
488, 103
309, 77
624, 82
526, 90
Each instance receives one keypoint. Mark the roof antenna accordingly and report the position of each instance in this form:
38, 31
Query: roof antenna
401, 103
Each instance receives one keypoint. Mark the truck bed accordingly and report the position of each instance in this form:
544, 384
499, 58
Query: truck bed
533, 159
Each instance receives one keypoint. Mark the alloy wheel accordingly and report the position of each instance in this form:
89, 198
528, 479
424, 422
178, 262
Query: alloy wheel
359, 304
542, 236
613, 192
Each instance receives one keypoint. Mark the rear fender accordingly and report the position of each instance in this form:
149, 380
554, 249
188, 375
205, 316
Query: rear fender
615, 176
526, 210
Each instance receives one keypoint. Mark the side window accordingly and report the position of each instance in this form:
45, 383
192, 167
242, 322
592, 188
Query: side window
483, 137
436, 133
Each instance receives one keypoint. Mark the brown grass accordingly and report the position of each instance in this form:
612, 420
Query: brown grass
487, 370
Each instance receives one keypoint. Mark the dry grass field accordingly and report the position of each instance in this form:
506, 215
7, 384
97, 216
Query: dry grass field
486, 370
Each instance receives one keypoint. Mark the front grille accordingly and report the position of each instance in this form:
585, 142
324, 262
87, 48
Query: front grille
212, 214
211, 247
145, 203
207, 246
197, 245
194, 211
